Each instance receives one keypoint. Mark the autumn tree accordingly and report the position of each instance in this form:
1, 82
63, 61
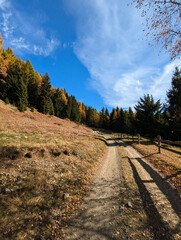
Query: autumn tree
83, 113
163, 21
95, 118
104, 118
7, 59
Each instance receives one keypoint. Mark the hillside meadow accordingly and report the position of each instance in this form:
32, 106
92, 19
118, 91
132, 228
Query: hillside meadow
46, 167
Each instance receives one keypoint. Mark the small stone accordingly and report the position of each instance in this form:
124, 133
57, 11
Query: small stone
7, 190
57, 213
66, 196
129, 204
121, 207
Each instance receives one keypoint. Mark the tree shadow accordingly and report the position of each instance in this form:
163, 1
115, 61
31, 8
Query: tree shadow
101, 139
160, 229
171, 194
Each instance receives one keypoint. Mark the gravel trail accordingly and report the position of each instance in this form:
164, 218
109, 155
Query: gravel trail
97, 217
114, 210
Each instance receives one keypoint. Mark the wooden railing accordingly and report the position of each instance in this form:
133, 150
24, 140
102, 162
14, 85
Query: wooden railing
157, 141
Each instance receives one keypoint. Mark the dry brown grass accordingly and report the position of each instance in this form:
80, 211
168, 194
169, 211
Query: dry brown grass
46, 166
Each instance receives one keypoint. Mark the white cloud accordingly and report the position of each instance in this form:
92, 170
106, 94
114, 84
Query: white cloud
4, 4
163, 82
110, 44
20, 43
50, 46
24, 33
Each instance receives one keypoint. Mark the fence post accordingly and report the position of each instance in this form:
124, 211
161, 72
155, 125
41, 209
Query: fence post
159, 143
138, 138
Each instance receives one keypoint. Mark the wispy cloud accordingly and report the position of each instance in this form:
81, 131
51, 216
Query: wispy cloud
4, 4
24, 33
51, 45
110, 44
6, 14
20, 43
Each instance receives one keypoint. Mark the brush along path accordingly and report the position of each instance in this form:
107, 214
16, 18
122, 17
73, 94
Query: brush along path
106, 212
161, 202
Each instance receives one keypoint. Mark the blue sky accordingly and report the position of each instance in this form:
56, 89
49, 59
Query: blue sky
95, 49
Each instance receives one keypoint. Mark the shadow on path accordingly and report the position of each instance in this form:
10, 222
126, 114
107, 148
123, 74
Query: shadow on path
171, 194
97, 217
160, 229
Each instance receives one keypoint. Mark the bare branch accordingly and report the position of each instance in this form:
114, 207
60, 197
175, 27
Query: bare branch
163, 23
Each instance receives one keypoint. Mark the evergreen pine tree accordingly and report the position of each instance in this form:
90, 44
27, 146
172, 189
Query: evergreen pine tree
113, 120
75, 113
31, 82
45, 96
121, 121
16, 88
68, 109
147, 115
59, 102
174, 104
51, 108
132, 127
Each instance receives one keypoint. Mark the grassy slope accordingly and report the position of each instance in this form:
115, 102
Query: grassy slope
46, 165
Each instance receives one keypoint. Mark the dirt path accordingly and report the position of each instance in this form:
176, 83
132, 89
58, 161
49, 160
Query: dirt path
165, 207
113, 208
144, 207
97, 214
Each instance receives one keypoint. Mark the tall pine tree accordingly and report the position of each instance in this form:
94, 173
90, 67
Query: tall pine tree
45, 105
16, 88
147, 115
174, 104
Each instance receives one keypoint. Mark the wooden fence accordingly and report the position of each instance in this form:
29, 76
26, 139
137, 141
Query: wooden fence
157, 141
